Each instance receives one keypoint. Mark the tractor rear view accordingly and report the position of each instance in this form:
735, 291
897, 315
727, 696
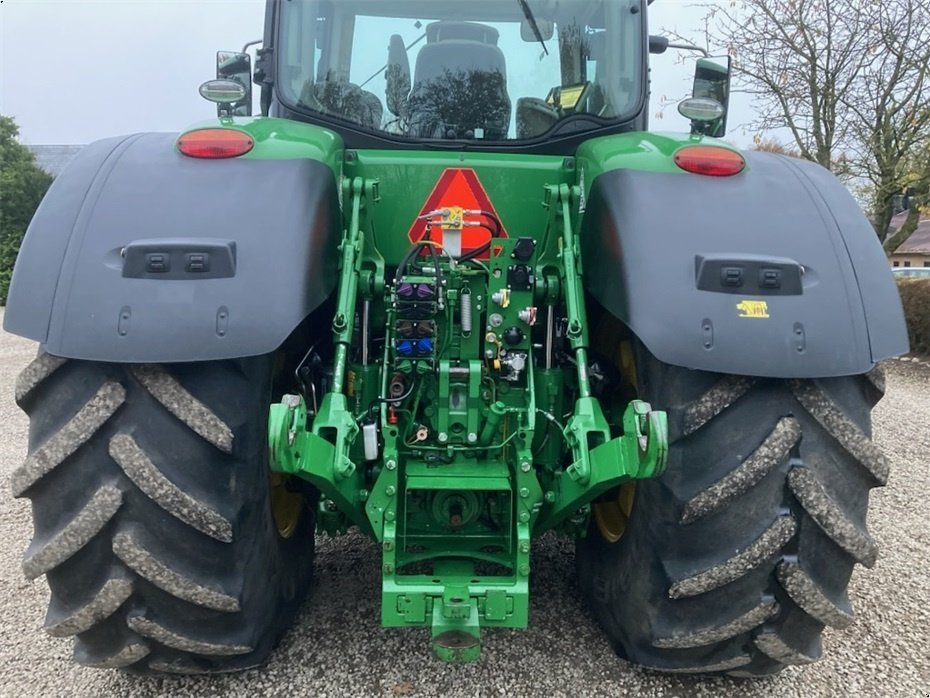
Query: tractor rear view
448, 291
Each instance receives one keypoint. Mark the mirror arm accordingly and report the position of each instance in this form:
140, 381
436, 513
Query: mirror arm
256, 42
690, 47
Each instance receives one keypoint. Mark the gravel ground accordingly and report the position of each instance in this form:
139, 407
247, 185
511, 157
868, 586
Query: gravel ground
338, 648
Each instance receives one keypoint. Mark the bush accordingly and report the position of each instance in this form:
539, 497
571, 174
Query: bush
22, 186
915, 296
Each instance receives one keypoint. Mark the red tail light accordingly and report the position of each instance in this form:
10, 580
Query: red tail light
710, 160
215, 143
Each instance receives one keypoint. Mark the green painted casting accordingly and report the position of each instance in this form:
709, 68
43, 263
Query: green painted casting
443, 430
459, 409
649, 152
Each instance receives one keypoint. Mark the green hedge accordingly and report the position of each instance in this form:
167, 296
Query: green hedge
915, 296
22, 186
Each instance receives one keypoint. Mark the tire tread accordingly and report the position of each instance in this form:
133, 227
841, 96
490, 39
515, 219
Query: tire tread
796, 452
86, 524
145, 573
66, 441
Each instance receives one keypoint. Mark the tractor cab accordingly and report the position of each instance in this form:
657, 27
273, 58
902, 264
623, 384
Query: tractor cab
484, 72
537, 75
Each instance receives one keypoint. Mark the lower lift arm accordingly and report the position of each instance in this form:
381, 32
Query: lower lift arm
468, 491
599, 462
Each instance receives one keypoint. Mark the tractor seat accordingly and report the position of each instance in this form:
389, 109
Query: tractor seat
459, 87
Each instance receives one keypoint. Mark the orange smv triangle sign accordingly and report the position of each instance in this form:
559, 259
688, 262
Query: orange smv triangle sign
457, 187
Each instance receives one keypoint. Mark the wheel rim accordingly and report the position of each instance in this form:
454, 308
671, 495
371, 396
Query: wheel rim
613, 516
286, 506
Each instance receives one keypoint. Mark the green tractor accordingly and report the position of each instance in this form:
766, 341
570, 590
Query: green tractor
448, 291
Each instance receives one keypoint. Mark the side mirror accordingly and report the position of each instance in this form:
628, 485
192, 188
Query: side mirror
658, 44
712, 82
235, 67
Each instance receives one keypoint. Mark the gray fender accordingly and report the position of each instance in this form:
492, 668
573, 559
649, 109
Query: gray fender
772, 272
141, 254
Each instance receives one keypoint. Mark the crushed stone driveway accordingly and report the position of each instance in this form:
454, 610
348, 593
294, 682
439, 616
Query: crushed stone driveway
337, 647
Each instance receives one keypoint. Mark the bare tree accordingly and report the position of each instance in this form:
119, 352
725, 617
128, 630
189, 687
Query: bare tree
889, 112
848, 79
772, 145
917, 188
799, 59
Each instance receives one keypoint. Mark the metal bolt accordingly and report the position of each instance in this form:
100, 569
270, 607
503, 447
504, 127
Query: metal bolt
524, 547
389, 515
550, 496
524, 492
362, 495
525, 467
391, 464
443, 437
390, 490
524, 516
524, 570
472, 437
330, 505
388, 545
389, 568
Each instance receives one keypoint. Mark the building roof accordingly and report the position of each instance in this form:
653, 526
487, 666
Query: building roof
53, 158
919, 241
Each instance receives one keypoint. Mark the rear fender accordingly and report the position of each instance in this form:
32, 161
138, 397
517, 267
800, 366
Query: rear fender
141, 254
658, 247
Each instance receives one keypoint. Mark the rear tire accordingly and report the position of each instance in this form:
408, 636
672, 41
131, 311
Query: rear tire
153, 525
740, 554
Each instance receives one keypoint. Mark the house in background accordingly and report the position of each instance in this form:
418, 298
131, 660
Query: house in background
53, 158
915, 251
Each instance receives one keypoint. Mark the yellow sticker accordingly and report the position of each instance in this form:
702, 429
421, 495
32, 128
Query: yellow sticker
758, 309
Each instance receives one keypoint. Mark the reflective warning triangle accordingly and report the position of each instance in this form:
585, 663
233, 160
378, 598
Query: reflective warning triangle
457, 187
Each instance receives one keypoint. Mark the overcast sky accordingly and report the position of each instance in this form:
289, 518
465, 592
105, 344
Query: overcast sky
74, 71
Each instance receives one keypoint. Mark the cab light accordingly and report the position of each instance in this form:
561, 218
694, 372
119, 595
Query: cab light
215, 143
710, 160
